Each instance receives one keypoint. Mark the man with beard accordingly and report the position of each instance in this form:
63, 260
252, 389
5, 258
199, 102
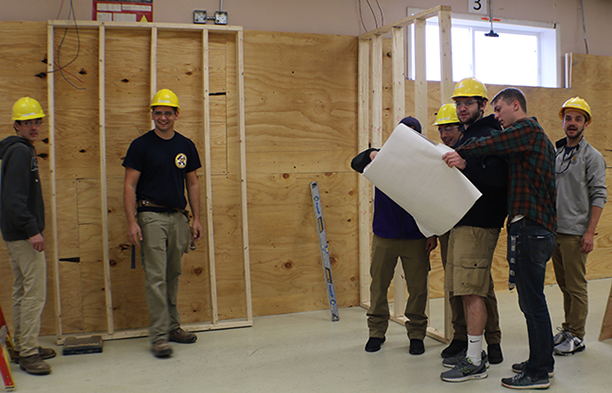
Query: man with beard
473, 240
532, 222
580, 174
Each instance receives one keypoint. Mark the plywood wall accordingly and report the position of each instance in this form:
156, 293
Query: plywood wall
301, 126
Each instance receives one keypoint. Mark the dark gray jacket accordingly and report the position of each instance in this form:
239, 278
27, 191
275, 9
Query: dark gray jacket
22, 212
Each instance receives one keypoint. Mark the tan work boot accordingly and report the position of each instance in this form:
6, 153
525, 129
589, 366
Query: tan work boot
34, 365
161, 348
180, 336
45, 353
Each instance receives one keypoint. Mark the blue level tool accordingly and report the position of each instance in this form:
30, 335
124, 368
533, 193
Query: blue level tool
331, 293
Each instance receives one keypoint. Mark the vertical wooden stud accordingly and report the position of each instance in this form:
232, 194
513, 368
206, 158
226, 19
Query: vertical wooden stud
208, 182
420, 83
243, 174
365, 219
377, 88
53, 178
103, 185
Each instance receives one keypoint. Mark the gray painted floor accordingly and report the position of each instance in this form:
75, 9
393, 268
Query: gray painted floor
306, 352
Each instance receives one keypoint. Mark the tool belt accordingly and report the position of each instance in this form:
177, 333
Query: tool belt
191, 242
147, 203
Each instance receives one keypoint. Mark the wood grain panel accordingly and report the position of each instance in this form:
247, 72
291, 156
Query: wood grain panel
285, 254
301, 123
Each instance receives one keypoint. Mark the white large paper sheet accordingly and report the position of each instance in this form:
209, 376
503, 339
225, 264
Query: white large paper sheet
410, 170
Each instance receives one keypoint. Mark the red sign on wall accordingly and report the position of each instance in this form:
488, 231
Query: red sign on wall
123, 11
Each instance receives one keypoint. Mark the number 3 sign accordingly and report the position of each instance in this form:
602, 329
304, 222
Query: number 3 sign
478, 7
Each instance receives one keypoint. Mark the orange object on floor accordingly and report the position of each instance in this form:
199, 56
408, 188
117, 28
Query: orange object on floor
6, 344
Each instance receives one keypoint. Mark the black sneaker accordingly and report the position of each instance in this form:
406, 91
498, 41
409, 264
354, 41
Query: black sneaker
520, 367
464, 371
452, 362
374, 343
495, 353
416, 346
454, 349
523, 381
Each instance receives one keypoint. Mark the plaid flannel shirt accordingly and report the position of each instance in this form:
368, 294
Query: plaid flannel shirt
531, 168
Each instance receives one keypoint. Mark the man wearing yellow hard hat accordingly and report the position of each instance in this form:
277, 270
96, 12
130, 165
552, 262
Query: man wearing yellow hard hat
22, 221
448, 124
474, 239
580, 174
159, 165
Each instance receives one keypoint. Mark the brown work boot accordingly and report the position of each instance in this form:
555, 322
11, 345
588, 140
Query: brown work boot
34, 365
178, 335
161, 348
46, 353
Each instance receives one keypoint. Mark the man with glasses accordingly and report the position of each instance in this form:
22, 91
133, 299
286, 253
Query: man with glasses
22, 221
532, 222
472, 243
158, 166
581, 195
448, 124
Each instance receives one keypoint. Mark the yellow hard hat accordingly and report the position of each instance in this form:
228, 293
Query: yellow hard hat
470, 87
447, 114
579, 104
27, 108
165, 97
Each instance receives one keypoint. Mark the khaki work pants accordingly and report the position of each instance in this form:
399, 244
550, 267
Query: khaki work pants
165, 238
415, 263
570, 271
29, 294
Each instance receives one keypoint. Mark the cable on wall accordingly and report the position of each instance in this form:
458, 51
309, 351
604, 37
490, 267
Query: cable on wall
586, 44
59, 65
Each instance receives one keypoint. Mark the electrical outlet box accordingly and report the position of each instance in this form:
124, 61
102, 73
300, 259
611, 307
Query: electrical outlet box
200, 16
221, 17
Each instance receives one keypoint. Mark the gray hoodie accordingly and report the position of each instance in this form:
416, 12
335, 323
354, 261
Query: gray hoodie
22, 212
581, 184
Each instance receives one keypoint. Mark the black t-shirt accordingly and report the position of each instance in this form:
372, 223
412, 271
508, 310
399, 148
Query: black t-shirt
163, 165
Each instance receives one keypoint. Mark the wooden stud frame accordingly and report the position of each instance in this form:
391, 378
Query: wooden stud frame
370, 125
154, 27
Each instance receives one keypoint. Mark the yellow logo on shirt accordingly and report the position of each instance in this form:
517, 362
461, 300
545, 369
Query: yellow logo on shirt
181, 160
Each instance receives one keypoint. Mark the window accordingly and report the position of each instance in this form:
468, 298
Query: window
523, 54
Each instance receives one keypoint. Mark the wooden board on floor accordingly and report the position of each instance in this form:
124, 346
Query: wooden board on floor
606, 325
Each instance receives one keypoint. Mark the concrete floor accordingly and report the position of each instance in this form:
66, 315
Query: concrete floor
306, 352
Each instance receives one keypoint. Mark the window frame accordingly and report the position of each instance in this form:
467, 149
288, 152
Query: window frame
548, 36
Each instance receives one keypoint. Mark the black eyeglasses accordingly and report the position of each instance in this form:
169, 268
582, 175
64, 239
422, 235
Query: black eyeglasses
165, 113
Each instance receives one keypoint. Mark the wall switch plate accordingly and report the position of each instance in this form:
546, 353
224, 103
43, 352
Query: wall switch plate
220, 17
200, 16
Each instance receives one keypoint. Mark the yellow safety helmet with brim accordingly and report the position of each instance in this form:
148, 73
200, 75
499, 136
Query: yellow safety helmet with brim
165, 97
447, 114
578, 104
27, 108
470, 87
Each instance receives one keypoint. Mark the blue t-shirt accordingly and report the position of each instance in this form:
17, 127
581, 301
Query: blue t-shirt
163, 165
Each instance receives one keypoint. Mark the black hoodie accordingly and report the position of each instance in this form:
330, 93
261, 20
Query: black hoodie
22, 212
490, 175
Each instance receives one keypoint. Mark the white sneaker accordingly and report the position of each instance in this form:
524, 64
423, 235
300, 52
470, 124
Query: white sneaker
569, 346
560, 336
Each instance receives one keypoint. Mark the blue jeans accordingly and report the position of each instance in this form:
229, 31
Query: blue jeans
533, 247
